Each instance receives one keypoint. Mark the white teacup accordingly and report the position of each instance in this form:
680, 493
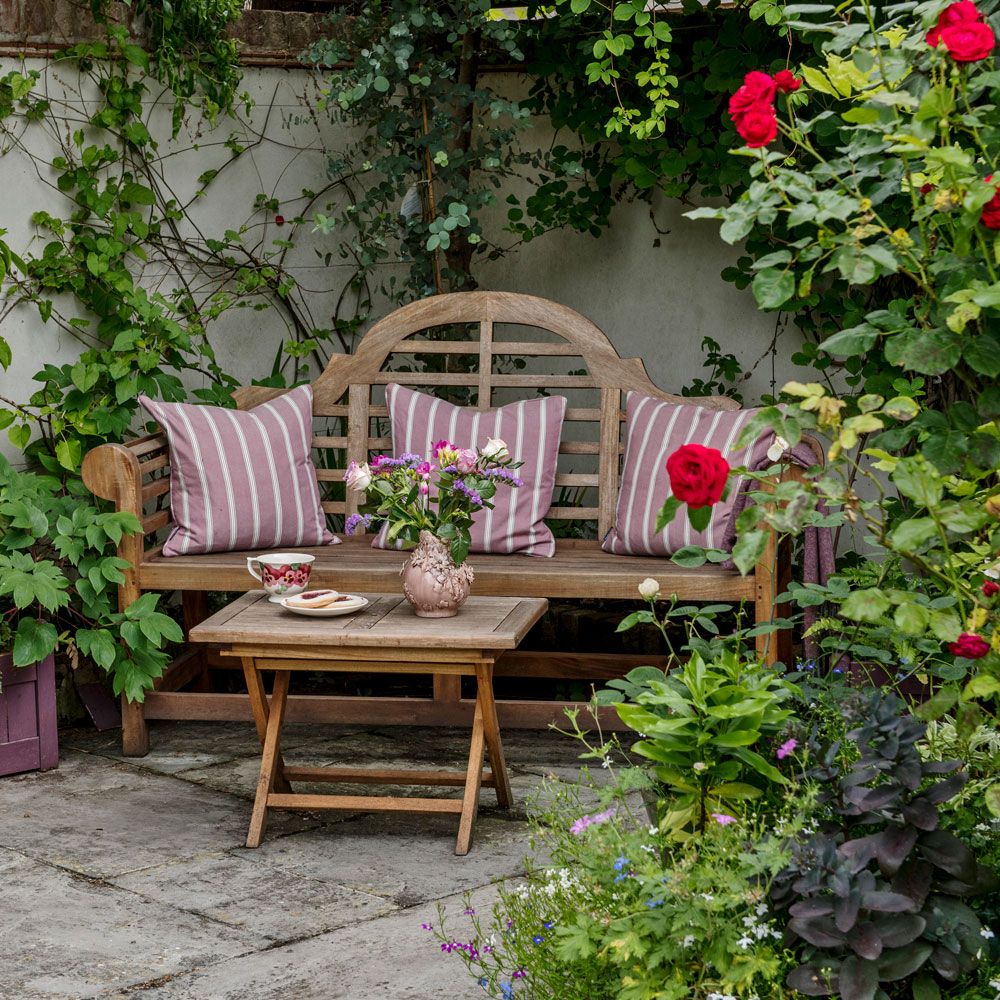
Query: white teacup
282, 574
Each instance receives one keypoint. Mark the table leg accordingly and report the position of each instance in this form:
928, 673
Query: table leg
258, 704
491, 732
270, 760
473, 781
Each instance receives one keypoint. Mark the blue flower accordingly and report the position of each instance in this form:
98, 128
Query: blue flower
620, 863
547, 924
654, 903
507, 991
538, 939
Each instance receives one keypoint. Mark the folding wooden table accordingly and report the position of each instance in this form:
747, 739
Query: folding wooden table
385, 637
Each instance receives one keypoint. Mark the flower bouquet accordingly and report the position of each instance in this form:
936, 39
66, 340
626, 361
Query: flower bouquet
429, 503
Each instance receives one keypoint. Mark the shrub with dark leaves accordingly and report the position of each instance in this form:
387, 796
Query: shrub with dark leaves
875, 895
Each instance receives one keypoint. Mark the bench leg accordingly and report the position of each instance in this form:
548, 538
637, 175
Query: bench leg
195, 609
135, 730
772, 576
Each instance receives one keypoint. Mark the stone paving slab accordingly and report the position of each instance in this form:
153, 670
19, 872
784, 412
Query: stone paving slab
241, 889
390, 958
128, 878
64, 937
101, 818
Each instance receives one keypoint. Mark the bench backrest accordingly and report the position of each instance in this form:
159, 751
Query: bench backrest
578, 361
563, 352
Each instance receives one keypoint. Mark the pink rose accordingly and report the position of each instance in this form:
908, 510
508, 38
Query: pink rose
466, 460
969, 41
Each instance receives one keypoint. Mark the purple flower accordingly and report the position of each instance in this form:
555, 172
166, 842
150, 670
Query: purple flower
584, 821
723, 819
519, 974
786, 749
505, 475
355, 521
427, 927
469, 912
468, 492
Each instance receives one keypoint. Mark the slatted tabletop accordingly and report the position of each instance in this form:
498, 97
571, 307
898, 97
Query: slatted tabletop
493, 623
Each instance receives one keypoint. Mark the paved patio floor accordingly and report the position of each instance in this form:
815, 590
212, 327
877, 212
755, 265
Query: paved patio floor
129, 878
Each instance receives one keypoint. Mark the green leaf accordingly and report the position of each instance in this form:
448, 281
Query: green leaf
667, 513
136, 194
381, 84
850, 342
700, 517
33, 641
690, 556
867, 605
992, 797
930, 352
748, 549
772, 287
69, 453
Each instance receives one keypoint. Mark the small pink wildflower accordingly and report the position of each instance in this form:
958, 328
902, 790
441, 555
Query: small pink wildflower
786, 749
723, 819
584, 821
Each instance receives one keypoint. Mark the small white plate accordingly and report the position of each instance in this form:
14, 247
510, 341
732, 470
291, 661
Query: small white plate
343, 608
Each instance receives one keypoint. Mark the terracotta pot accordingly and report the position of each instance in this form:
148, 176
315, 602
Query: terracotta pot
432, 583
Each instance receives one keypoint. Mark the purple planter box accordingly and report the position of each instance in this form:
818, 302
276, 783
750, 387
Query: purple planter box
29, 739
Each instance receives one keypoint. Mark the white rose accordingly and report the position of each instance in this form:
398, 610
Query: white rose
496, 449
649, 589
778, 448
358, 477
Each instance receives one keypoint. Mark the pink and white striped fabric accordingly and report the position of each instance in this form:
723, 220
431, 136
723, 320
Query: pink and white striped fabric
241, 479
654, 429
531, 429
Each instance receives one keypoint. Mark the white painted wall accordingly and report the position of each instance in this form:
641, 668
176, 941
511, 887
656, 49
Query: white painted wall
654, 302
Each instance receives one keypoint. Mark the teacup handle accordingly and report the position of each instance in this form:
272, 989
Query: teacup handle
251, 568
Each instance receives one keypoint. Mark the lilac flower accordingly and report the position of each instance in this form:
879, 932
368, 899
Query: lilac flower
723, 819
468, 492
505, 475
786, 749
584, 821
355, 521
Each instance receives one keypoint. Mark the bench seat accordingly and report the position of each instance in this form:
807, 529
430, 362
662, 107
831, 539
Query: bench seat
579, 569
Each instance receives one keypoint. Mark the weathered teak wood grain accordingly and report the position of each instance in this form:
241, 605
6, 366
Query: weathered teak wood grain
268, 638
351, 419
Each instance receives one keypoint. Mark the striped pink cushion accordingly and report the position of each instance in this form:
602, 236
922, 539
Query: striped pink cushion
654, 430
531, 430
241, 479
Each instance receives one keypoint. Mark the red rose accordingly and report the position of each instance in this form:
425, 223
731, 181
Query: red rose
956, 13
697, 475
969, 646
758, 89
968, 41
990, 588
990, 217
926, 188
758, 126
279, 220
786, 81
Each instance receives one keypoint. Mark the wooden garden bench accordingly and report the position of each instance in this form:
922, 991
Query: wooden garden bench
563, 352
